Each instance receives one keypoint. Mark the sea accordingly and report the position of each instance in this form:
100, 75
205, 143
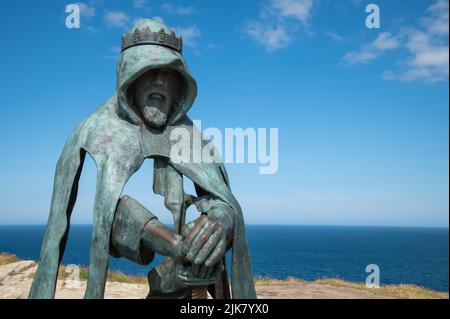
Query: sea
402, 255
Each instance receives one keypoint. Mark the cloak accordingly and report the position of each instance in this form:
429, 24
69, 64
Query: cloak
119, 141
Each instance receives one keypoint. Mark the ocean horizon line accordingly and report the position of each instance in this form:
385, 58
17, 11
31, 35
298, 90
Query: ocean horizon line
267, 224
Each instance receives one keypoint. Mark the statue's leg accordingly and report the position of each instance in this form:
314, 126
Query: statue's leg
65, 188
110, 183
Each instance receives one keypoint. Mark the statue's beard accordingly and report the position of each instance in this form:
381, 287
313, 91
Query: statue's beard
156, 107
155, 116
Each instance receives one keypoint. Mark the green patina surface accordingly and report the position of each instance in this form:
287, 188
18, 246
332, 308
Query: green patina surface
119, 141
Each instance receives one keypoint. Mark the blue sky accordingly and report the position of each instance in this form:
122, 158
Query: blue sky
362, 113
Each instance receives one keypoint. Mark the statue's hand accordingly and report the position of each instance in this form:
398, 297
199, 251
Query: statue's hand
205, 243
187, 278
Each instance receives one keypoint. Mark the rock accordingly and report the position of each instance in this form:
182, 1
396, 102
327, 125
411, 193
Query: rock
16, 278
306, 290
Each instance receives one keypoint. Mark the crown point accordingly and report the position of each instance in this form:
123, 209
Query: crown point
162, 36
147, 36
137, 34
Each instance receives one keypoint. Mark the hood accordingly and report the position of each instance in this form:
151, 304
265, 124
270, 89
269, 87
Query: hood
138, 60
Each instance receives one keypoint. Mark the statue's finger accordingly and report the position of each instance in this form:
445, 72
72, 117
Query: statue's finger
209, 271
199, 242
195, 227
188, 244
193, 233
217, 254
202, 271
208, 247
195, 270
186, 229
215, 270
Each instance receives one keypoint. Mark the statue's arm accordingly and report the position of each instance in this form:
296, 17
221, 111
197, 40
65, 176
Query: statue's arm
68, 171
161, 239
111, 179
137, 234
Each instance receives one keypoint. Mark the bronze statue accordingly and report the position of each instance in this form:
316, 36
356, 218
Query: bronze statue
155, 90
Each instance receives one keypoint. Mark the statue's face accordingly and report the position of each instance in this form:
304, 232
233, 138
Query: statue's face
155, 94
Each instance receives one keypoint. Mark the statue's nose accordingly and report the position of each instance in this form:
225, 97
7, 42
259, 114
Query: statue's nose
160, 80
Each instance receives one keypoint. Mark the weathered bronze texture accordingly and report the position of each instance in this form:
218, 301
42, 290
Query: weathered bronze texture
155, 90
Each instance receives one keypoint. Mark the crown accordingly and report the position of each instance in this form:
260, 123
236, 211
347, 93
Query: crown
147, 36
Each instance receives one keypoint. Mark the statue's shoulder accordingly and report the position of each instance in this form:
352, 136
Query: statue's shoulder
103, 122
106, 118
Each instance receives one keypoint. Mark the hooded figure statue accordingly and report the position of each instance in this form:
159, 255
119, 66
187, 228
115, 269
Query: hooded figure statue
119, 136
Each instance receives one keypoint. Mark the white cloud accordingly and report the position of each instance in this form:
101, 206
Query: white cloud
91, 29
368, 52
140, 3
116, 19
272, 37
178, 10
429, 60
335, 37
427, 47
297, 9
438, 22
279, 22
385, 41
86, 11
189, 34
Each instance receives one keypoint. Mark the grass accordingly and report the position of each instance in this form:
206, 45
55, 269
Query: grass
14, 272
394, 291
113, 276
7, 259
64, 272
267, 281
